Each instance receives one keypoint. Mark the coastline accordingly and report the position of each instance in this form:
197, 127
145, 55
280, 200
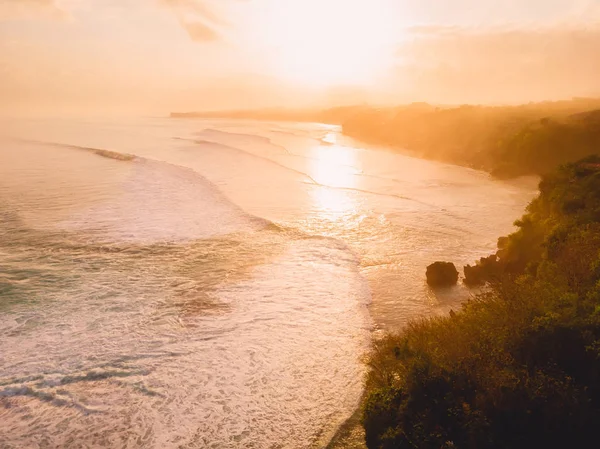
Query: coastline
433, 388
350, 434
370, 144
505, 141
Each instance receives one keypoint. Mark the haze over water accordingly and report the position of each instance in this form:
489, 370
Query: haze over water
219, 286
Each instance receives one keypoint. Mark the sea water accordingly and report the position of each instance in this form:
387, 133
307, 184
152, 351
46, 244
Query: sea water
214, 283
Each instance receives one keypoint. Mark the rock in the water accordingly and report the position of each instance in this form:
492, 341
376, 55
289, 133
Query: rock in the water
440, 274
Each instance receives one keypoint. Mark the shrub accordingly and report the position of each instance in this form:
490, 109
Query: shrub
519, 365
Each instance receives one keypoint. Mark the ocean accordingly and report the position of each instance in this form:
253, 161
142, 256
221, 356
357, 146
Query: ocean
215, 283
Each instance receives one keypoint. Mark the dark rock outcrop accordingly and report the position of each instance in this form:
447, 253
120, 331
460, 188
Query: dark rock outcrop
442, 274
487, 269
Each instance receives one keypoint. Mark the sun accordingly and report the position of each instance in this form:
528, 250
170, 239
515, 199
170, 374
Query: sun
330, 42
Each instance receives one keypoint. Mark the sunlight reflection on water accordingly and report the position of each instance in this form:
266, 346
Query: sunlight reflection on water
335, 168
248, 262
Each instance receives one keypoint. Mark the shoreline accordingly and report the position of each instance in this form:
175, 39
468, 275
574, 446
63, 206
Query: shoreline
351, 434
433, 386
369, 144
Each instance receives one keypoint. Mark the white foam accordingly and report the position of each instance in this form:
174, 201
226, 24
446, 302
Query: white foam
282, 365
198, 326
163, 202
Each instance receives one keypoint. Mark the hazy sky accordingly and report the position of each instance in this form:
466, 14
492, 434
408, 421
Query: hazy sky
159, 55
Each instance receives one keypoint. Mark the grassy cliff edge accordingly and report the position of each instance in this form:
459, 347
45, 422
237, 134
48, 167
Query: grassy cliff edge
518, 366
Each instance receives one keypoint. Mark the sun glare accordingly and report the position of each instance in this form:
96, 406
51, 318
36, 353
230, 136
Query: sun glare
331, 42
334, 168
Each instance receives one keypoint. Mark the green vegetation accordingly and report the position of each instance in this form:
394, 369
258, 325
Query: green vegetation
505, 141
519, 365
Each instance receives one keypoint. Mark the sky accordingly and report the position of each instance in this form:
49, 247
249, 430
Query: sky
154, 56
